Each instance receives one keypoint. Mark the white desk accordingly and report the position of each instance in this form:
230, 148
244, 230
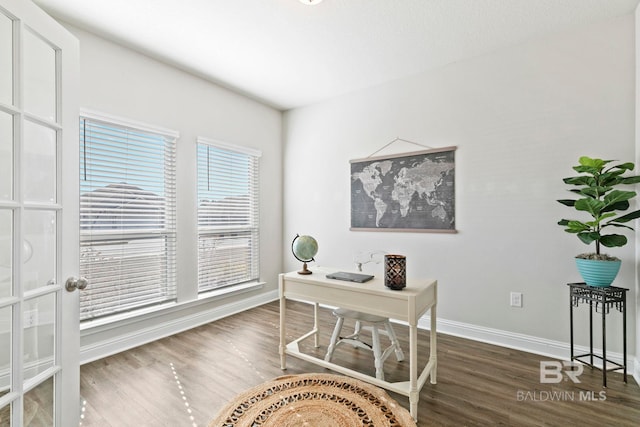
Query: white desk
371, 297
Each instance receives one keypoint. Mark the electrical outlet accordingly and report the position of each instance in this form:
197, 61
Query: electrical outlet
516, 299
30, 318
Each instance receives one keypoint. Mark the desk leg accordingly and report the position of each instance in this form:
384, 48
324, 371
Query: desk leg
316, 337
604, 346
591, 332
624, 334
433, 355
414, 394
283, 332
571, 322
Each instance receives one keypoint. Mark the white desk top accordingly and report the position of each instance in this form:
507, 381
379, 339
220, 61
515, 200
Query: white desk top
371, 297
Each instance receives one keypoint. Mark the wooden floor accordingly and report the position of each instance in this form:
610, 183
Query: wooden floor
185, 379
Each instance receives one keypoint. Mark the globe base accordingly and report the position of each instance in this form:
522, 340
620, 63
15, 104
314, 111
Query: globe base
305, 270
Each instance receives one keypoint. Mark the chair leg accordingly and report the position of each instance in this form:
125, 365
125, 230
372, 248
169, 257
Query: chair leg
356, 332
357, 329
394, 341
377, 354
334, 339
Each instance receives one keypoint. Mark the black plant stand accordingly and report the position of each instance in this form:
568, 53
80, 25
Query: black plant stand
604, 298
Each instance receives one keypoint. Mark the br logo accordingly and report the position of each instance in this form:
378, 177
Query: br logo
551, 371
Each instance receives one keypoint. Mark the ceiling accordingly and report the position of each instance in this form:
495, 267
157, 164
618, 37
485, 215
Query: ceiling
288, 54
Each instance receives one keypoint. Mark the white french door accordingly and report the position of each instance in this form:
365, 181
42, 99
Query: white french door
39, 330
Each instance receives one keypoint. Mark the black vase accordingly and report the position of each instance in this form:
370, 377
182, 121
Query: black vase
395, 272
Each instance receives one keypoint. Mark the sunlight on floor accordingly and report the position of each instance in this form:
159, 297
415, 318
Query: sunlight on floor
83, 409
182, 394
244, 357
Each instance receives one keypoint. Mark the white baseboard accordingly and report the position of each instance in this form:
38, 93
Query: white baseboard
163, 329
544, 347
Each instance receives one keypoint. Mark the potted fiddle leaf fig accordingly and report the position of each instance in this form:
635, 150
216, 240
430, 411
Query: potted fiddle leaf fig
601, 200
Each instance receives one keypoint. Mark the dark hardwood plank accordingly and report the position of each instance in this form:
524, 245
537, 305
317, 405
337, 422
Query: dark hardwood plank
183, 380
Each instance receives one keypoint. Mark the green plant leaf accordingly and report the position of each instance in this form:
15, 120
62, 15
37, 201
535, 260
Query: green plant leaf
574, 226
625, 166
627, 217
590, 163
598, 164
630, 180
613, 240
589, 237
580, 180
594, 192
587, 169
563, 222
620, 206
617, 200
593, 206
607, 215
567, 202
610, 179
618, 196
613, 171
614, 224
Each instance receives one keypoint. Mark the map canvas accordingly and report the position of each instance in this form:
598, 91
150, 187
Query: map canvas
404, 192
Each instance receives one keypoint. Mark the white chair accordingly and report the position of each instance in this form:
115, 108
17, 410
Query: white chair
378, 325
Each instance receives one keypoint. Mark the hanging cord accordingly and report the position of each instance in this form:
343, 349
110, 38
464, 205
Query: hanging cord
394, 141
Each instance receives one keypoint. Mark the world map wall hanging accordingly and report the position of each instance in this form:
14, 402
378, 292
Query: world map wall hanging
404, 192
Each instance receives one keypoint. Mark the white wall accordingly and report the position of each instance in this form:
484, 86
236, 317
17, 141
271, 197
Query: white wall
118, 81
520, 118
637, 240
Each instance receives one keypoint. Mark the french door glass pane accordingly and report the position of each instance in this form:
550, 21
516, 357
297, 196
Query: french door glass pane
39, 77
39, 248
38, 405
6, 239
5, 414
39, 314
5, 349
6, 155
6, 53
40, 155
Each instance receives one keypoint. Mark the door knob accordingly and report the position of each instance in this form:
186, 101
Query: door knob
73, 283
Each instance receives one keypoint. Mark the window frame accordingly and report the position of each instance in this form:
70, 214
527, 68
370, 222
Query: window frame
252, 229
169, 214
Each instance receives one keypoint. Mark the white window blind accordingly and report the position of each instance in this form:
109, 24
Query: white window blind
228, 215
127, 217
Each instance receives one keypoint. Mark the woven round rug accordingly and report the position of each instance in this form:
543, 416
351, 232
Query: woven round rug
313, 400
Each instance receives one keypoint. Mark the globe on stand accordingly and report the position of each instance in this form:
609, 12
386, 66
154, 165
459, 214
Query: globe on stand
304, 248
